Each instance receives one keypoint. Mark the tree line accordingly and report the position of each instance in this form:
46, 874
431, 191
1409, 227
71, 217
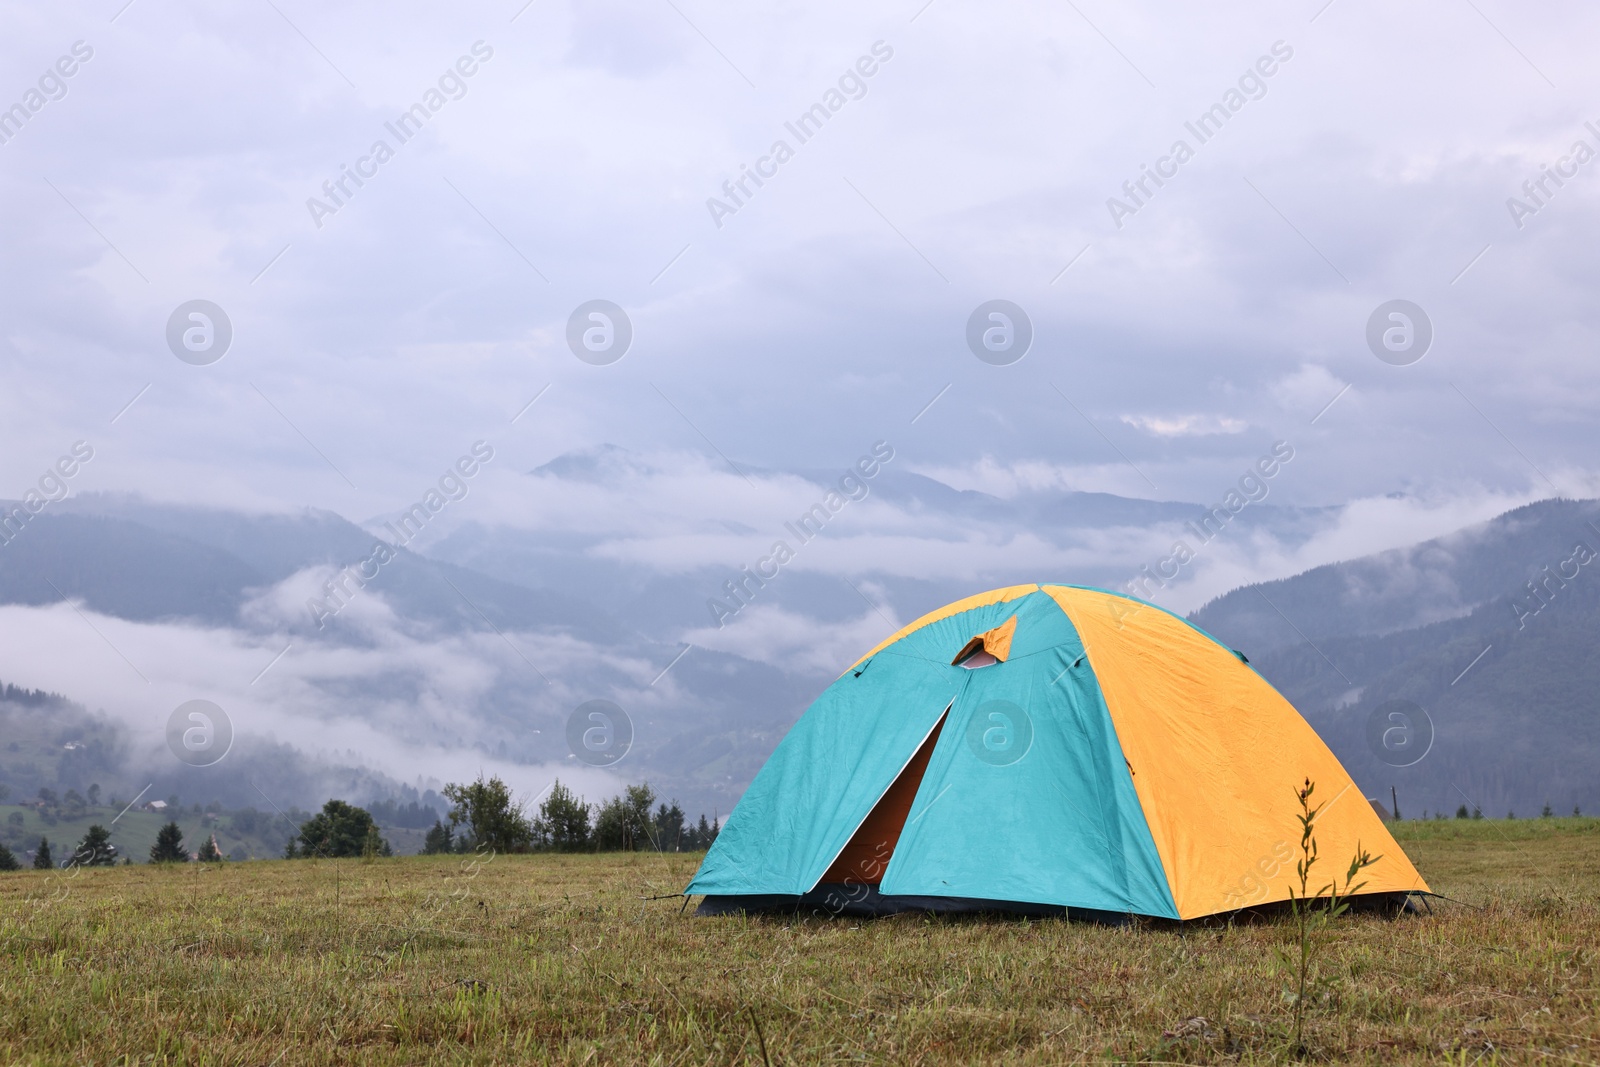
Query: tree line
95, 850
484, 815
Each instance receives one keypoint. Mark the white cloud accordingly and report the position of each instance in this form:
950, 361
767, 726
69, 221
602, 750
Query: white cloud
1308, 390
1186, 425
792, 641
1011, 478
409, 706
1360, 528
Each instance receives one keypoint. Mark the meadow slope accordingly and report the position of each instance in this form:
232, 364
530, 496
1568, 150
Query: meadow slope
564, 959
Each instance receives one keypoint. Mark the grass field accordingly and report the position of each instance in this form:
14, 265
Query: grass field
559, 959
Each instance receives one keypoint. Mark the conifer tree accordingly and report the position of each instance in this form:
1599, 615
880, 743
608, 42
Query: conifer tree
169, 845
438, 841
96, 849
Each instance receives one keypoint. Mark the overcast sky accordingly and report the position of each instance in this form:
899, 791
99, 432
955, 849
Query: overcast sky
1172, 345
1313, 162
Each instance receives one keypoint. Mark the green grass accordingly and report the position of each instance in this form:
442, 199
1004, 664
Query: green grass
559, 959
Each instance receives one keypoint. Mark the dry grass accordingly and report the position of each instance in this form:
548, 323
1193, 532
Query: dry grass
558, 959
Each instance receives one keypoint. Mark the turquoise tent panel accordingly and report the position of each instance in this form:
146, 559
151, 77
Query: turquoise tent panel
1028, 797
1041, 624
826, 775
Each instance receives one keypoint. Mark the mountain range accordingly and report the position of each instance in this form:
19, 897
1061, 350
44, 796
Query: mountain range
472, 647
1492, 633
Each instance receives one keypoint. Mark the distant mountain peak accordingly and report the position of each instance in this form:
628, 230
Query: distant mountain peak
600, 464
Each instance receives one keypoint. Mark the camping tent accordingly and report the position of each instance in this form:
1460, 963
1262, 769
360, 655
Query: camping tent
1036, 748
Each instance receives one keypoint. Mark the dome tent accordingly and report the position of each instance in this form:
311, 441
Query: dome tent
1039, 748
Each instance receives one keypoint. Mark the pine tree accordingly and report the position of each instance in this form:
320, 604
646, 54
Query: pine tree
169, 846
668, 829
96, 849
438, 841
8, 862
209, 852
41, 858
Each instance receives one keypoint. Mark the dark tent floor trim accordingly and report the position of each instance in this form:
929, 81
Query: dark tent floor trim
830, 900
864, 901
